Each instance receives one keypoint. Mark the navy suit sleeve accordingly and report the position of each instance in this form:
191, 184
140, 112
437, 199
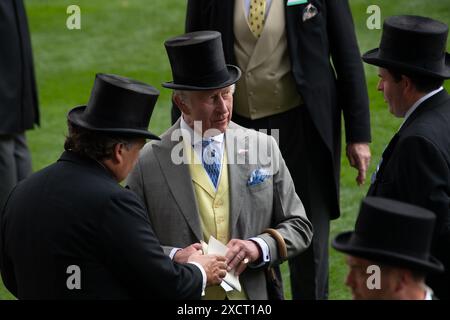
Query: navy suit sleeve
135, 255
6, 268
351, 83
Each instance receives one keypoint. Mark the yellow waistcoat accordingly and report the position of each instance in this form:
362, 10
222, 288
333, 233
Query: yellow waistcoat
214, 210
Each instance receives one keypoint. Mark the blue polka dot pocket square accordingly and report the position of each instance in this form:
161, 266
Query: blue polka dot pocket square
257, 176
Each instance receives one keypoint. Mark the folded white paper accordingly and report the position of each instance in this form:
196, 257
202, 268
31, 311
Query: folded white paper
214, 246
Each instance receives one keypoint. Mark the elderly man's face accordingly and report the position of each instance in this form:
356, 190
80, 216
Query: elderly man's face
212, 107
357, 280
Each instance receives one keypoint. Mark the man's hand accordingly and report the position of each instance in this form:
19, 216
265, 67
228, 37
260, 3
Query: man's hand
358, 155
215, 266
182, 256
240, 253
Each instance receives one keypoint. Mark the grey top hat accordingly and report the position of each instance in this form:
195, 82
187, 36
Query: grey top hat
198, 62
117, 105
412, 44
392, 232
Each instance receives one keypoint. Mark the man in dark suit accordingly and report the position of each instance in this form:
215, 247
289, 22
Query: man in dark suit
71, 231
18, 95
415, 166
289, 84
388, 253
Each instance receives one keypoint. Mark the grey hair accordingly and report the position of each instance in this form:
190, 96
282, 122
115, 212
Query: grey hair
184, 94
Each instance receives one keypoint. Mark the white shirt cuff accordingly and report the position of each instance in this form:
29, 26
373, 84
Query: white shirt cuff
173, 251
264, 249
203, 276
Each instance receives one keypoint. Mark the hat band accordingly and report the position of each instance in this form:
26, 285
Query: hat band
102, 123
209, 80
388, 246
424, 63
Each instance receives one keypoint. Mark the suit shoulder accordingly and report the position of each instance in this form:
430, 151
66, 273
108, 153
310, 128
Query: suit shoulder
121, 193
147, 151
433, 126
252, 133
425, 146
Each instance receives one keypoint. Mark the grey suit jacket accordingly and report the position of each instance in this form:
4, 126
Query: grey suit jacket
167, 190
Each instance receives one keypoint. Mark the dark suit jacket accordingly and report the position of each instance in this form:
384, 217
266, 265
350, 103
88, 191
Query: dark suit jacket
416, 169
18, 94
74, 213
325, 90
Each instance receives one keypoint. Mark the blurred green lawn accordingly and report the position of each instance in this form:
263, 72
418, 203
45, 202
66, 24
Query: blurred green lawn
126, 37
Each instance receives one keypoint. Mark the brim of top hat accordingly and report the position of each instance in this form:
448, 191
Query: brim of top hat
75, 116
342, 243
373, 57
234, 75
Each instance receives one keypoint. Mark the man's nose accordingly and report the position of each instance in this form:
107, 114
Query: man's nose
349, 280
221, 105
380, 86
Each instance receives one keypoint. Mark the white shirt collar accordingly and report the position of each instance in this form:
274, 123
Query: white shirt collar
419, 102
196, 142
428, 293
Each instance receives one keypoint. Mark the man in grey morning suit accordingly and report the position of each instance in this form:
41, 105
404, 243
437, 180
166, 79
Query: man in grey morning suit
238, 200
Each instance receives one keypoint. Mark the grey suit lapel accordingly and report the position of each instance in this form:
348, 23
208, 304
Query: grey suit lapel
238, 167
179, 180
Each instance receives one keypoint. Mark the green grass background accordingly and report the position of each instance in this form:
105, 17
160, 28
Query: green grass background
126, 37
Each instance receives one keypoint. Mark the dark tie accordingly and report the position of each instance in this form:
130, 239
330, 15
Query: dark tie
211, 161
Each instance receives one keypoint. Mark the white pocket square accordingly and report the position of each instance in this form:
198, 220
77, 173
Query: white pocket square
309, 12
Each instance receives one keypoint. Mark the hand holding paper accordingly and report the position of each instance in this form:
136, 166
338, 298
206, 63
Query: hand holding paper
216, 247
240, 253
182, 255
213, 265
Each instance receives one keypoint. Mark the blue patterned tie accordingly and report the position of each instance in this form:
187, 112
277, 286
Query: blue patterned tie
211, 161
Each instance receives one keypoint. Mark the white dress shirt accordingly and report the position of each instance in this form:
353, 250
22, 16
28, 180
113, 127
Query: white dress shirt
428, 293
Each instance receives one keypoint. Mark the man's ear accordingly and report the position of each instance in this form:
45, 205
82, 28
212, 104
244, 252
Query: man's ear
179, 102
408, 86
403, 279
117, 156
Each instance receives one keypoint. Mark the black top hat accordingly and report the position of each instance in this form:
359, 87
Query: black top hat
391, 232
412, 44
198, 62
117, 105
